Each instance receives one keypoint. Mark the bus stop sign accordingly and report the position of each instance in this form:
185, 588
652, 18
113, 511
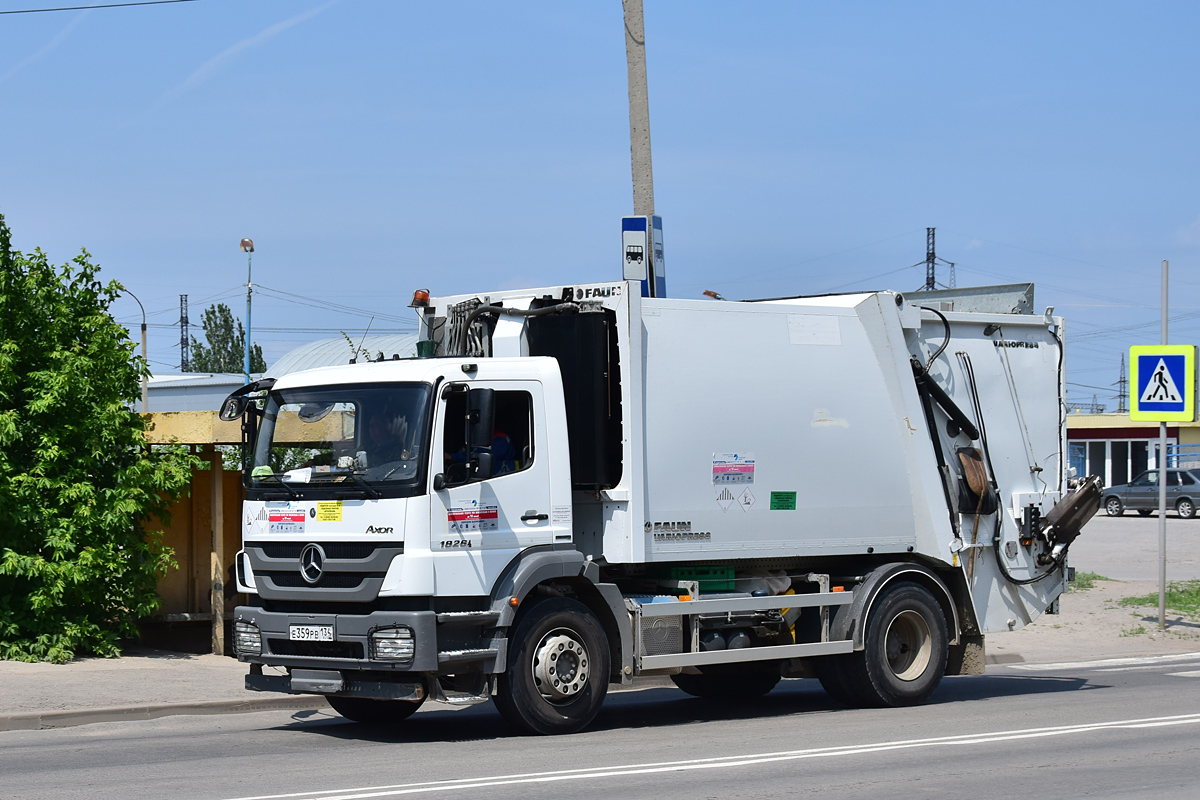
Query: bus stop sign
1162, 383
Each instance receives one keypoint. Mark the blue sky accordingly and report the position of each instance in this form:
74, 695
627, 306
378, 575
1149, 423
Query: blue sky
370, 147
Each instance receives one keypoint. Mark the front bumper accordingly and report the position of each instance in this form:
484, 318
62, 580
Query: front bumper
350, 648
451, 643
309, 681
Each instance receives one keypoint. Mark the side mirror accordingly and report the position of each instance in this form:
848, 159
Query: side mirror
439, 482
481, 417
233, 407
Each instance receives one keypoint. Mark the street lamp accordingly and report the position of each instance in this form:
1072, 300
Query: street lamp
145, 386
248, 249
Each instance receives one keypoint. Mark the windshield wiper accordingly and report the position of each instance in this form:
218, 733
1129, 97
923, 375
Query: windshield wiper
367, 488
286, 487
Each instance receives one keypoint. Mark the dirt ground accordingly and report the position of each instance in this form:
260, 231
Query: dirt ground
1092, 625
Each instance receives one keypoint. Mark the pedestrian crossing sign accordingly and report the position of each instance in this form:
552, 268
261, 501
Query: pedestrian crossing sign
1162, 383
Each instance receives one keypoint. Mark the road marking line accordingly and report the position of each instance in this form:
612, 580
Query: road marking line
1106, 662
723, 762
1192, 674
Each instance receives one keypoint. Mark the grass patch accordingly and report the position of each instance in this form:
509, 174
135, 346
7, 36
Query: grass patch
1182, 596
1087, 580
1138, 631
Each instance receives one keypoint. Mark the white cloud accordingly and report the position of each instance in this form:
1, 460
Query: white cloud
1189, 234
206, 70
45, 49
974, 244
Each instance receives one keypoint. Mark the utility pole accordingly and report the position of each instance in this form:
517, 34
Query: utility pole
639, 110
1122, 388
931, 261
145, 386
1162, 485
247, 246
185, 359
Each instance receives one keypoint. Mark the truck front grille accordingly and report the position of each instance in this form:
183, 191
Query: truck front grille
330, 580
347, 550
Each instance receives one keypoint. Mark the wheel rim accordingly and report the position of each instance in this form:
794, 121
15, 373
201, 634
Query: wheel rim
561, 665
1114, 507
1185, 508
909, 645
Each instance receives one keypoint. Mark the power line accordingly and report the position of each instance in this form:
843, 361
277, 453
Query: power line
103, 5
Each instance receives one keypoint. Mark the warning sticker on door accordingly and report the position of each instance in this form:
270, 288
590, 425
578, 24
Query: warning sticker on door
732, 468
475, 518
286, 521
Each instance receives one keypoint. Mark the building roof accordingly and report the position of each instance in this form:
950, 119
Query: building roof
336, 351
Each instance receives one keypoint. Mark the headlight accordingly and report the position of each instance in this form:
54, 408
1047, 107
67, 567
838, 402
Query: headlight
247, 640
392, 644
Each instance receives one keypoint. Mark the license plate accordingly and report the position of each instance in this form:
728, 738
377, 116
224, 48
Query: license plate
310, 633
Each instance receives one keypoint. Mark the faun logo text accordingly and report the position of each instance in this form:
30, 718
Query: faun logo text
676, 532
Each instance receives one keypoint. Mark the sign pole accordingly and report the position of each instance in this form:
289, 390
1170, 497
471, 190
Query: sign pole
1162, 485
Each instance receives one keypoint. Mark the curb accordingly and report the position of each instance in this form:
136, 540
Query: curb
40, 720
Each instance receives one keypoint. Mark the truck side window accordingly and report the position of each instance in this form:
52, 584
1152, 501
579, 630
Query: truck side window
512, 440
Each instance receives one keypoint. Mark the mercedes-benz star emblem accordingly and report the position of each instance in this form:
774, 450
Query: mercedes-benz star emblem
312, 563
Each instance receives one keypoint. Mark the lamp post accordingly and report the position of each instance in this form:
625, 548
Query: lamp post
248, 249
145, 386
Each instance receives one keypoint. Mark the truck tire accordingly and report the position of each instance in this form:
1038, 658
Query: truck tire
905, 645
831, 672
730, 681
1113, 507
375, 712
1185, 508
556, 676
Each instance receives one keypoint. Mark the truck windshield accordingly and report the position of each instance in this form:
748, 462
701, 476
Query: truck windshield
369, 434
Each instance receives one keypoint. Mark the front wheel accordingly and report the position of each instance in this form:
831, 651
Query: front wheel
375, 712
557, 671
1113, 507
1185, 508
905, 648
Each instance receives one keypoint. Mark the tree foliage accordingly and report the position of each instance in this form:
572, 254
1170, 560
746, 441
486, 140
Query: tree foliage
226, 348
77, 482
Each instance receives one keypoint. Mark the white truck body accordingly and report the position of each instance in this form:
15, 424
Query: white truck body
674, 461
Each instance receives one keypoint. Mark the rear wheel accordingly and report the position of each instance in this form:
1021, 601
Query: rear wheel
377, 712
730, 681
905, 644
1185, 508
831, 671
557, 671
1113, 507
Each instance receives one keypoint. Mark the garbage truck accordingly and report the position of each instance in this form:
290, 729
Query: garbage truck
574, 486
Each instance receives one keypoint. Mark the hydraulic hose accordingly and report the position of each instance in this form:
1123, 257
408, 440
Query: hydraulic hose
561, 308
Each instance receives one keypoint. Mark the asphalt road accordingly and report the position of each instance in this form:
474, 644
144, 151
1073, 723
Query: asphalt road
1097, 729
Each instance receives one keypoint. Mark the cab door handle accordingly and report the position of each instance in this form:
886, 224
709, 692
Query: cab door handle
533, 515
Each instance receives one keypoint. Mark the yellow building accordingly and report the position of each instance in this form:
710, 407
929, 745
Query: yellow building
1116, 449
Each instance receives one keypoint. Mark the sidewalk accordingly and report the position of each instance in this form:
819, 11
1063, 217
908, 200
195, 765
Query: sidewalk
145, 684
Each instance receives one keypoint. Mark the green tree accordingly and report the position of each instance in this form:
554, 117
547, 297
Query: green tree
226, 348
78, 484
